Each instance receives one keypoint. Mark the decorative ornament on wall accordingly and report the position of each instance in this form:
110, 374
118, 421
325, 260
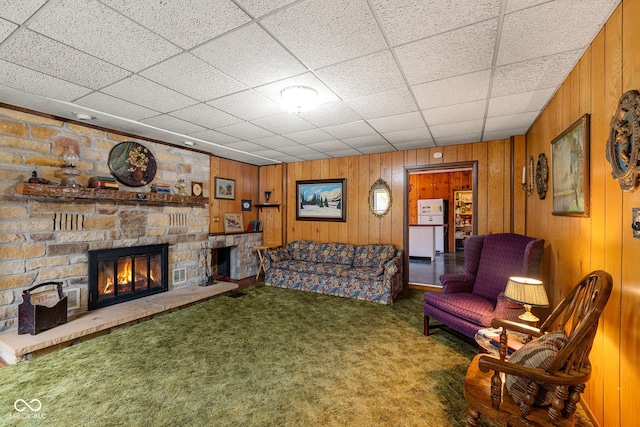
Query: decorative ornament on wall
623, 145
542, 176
132, 164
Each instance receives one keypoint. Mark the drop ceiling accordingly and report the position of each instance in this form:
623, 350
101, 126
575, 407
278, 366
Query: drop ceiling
391, 74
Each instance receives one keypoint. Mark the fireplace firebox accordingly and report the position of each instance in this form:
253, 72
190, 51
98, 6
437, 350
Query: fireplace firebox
123, 274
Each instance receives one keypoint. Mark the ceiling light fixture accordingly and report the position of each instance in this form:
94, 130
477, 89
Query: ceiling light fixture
299, 99
83, 116
189, 143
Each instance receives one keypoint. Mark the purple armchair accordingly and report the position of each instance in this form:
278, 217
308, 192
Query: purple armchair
468, 302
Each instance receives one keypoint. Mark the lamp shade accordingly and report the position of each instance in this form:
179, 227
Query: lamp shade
528, 291
298, 99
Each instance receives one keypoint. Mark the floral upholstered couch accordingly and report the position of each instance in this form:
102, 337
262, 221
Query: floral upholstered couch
366, 272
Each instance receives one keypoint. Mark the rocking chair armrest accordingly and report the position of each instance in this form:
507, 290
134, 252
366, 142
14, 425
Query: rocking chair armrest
490, 363
515, 327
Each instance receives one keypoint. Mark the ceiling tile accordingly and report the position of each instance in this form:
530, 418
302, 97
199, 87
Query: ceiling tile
297, 150
19, 11
37, 83
534, 32
363, 76
412, 145
173, 124
343, 153
6, 28
377, 149
118, 107
329, 146
457, 52
459, 128
277, 155
259, 8
458, 139
215, 137
519, 103
409, 135
96, 29
350, 130
247, 146
274, 142
324, 32
512, 121
455, 113
260, 60
245, 130
359, 142
310, 136
34, 51
503, 134
200, 20
314, 156
144, 92
455, 90
247, 105
331, 114
405, 21
398, 122
283, 123
206, 115
391, 103
272, 90
536, 74
193, 77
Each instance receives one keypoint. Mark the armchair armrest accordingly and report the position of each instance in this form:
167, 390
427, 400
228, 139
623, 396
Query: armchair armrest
457, 283
516, 327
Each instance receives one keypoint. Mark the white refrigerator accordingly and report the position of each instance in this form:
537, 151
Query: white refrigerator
433, 212
427, 237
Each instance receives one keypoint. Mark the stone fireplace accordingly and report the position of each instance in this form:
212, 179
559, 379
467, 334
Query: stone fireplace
123, 274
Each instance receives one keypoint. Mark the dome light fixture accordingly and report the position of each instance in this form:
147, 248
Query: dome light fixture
299, 99
83, 116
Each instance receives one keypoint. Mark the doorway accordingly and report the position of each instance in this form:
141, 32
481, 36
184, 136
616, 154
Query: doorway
440, 212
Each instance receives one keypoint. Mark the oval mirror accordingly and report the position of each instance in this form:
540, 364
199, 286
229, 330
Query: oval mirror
380, 198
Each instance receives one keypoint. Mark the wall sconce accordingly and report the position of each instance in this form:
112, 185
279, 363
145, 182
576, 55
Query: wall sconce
528, 186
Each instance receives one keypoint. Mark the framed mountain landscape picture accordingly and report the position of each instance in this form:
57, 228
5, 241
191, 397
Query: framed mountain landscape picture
321, 200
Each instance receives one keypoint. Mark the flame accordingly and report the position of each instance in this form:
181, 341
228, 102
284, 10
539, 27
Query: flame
127, 278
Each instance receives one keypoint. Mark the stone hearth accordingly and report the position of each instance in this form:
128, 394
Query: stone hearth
16, 348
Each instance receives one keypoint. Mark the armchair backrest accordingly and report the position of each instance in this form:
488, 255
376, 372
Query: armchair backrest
493, 258
577, 315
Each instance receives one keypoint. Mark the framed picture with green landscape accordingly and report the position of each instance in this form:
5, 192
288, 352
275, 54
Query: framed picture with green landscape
321, 200
570, 170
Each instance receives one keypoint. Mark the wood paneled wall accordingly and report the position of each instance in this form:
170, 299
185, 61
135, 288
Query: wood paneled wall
576, 246
495, 199
246, 177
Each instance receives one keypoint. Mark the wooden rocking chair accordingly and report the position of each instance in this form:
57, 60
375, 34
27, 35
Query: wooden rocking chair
546, 394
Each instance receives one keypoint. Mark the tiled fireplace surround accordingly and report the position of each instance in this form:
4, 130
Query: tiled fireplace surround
48, 239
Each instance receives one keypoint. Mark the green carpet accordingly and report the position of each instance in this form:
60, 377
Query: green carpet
274, 357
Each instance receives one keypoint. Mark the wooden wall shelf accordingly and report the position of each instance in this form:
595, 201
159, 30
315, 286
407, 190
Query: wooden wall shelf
55, 191
267, 205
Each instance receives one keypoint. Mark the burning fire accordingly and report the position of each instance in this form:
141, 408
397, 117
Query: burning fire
125, 277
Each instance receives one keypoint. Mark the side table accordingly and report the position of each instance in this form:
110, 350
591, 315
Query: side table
260, 249
515, 340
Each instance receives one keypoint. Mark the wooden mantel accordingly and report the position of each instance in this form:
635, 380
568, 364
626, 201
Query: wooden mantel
55, 191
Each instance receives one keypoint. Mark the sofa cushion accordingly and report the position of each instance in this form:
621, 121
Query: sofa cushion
304, 250
373, 255
362, 273
309, 267
470, 307
337, 253
535, 354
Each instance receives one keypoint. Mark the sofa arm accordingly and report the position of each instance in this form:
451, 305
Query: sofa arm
452, 283
393, 266
275, 255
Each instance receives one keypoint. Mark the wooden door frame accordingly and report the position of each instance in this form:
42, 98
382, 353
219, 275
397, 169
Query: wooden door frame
444, 167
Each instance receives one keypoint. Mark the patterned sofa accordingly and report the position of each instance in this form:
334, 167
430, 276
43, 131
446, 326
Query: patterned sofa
366, 272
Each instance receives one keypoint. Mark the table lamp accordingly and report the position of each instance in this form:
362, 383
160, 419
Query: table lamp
529, 293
